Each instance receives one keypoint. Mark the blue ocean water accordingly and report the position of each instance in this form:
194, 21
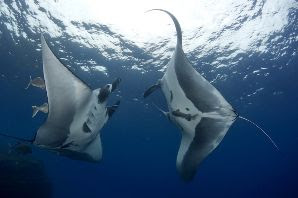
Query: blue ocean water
140, 144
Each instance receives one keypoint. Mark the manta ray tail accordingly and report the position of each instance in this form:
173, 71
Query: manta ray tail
29, 83
17, 138
275, 145
177, 25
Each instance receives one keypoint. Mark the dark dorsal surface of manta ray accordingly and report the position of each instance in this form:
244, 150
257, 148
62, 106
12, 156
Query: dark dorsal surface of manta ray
195, 106
76, 113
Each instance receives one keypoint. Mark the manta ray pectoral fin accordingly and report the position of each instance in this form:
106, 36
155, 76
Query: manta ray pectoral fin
209, 133
177, 25
92, 153
67, 94
151, 89
94, 150
113, 108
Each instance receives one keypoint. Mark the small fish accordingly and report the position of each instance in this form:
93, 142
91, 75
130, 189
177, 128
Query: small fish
20, 148
43, 108
37, 82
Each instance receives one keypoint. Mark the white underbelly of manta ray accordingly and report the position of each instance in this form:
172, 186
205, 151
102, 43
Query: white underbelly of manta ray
177, 101
185, 114
93, 117
76, 113
196, 107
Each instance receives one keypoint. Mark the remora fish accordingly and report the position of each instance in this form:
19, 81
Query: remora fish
37, 82
43, 108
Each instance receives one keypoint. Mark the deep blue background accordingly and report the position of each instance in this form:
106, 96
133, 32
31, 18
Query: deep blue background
140, 145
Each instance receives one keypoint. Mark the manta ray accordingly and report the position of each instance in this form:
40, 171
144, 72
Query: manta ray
196, 107
76, 112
